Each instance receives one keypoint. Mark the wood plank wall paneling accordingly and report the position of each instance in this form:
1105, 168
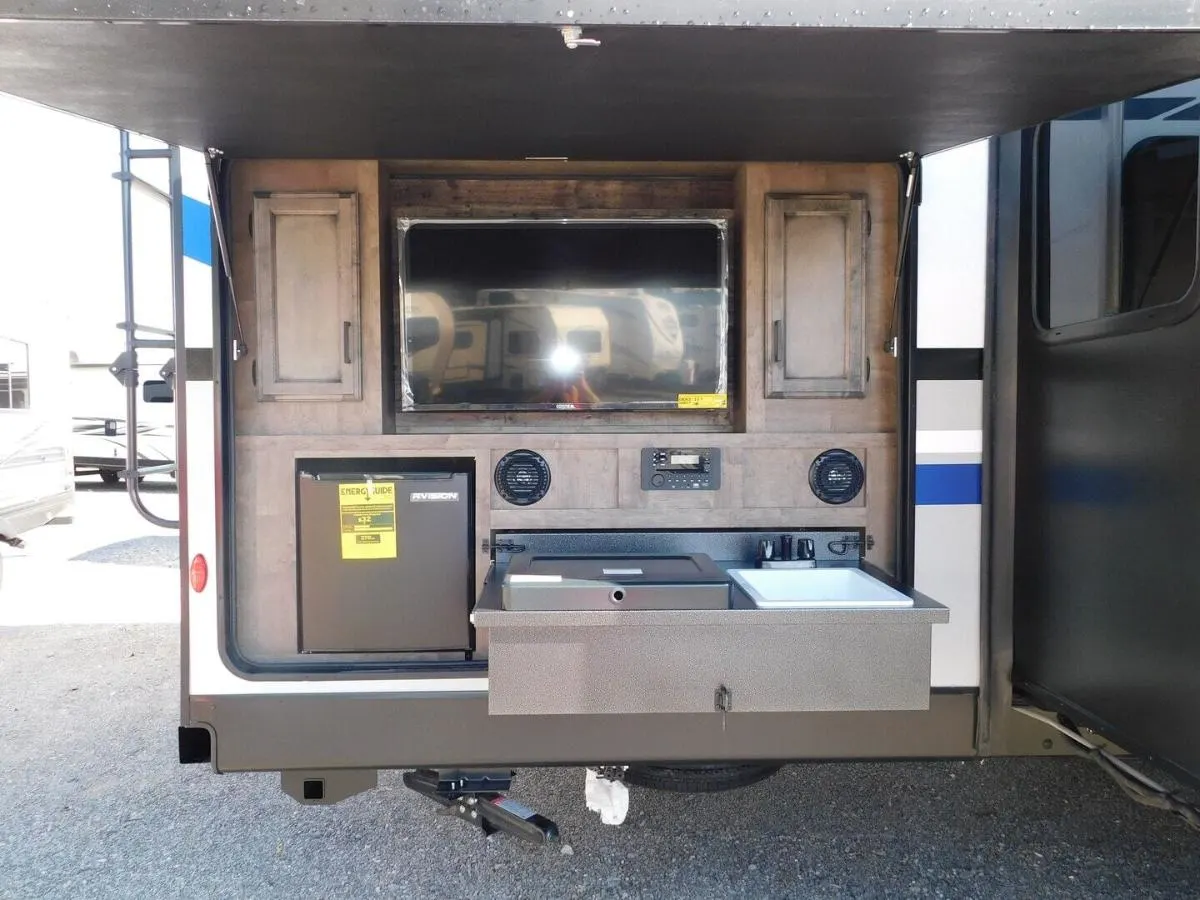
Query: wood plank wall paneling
480, 197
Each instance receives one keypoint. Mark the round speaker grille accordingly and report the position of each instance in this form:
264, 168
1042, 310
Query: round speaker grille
522, 477
836, 476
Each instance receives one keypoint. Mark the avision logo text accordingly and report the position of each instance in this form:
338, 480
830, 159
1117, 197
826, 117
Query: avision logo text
434, 497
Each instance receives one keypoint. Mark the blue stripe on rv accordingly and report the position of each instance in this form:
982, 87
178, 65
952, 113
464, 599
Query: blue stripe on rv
197, 231
949, 484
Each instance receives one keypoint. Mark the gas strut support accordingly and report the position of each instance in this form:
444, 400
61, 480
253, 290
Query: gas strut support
479, 798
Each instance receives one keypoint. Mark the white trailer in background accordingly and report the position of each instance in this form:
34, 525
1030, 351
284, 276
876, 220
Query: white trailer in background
36, 481
82, 299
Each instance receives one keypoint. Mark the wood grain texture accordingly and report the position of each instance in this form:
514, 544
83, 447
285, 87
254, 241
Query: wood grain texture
880, 497
514, 193
469, 196
551, 423
558, 168
876, 411
347, 417
582, 479
307, 296
814, 295
587, 469
778, 479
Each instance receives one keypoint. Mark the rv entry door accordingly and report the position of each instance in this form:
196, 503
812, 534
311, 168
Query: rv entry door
1106, 585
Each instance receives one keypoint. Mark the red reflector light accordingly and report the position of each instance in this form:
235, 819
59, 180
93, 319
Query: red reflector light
198, 572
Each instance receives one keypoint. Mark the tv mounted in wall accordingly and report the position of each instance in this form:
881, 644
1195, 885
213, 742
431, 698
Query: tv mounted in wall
575, 314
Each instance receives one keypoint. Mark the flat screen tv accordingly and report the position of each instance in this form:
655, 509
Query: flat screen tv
566, 315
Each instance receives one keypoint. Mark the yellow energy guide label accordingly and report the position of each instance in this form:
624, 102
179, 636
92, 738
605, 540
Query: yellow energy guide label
702, 401
368, 513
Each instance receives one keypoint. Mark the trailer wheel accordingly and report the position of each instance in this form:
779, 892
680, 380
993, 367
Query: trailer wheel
109, 477
699, 779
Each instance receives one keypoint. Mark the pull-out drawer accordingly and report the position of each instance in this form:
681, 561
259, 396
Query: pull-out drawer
741, 659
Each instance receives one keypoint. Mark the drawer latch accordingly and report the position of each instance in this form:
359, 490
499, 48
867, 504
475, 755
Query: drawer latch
723, 702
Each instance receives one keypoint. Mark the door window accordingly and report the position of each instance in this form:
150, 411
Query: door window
1117, 212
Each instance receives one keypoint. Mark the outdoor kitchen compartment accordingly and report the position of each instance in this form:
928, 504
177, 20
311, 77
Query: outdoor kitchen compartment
593, 658
389, 574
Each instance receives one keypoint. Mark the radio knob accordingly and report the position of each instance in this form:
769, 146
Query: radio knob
657, 479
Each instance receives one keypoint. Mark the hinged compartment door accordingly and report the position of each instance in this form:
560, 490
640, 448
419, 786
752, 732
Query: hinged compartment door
306, 270
1100, 450
816, 265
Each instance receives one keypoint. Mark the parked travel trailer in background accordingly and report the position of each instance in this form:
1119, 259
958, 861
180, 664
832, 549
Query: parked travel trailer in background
892, 455
81, 304
36, 481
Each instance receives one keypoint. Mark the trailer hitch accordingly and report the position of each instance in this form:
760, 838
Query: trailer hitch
479, 798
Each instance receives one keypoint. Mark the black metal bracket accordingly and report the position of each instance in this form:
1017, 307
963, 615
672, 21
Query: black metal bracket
490, 547
842, 547
611, 773
478, 798
195, 745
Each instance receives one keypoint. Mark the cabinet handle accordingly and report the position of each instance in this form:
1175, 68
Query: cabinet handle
346, 341
777, 340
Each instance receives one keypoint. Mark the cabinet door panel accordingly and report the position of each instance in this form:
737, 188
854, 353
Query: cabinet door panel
307, 292
815, 296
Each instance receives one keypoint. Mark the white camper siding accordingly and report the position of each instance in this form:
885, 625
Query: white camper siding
952, 247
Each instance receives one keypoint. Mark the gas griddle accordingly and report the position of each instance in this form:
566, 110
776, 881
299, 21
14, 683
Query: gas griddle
536, 582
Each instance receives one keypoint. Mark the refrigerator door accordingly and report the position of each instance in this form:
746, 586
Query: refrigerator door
385, 563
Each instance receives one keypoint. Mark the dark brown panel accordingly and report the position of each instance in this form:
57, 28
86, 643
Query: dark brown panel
560, 195
356, 731
511, 92
1105, 585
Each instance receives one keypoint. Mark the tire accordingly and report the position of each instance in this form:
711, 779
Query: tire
699, 779
109, 477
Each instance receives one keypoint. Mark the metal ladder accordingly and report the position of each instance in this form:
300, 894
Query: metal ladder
125, 367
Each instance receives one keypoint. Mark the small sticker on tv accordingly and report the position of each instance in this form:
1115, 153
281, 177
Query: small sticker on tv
702, 401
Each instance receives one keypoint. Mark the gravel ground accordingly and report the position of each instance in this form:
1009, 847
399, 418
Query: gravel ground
96, 805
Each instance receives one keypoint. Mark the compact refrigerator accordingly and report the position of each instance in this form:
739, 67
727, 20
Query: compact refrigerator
385, 563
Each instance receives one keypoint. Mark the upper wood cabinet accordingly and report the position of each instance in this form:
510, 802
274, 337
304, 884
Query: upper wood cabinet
816, 311
306, 272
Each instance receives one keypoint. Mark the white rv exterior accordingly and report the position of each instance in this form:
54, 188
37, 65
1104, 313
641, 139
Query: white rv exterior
36, 476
